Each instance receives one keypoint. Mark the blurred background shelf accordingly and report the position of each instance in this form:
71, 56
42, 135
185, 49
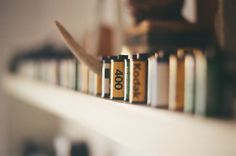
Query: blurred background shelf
148, 130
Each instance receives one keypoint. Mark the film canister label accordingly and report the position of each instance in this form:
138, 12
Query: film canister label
117, 80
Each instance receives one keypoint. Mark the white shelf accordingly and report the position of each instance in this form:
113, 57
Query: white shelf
147, 130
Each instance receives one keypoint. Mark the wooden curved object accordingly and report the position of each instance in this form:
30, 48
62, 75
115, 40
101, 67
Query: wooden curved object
92, 62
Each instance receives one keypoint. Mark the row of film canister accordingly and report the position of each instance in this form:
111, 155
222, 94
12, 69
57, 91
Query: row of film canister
56, 67
180, 80
186, 80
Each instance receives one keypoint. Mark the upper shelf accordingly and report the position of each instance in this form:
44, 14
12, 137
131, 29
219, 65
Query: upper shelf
148, 130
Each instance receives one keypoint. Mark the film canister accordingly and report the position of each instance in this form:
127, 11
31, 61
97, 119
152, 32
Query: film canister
106, 66
159, 92
189, 83
138, 78
176, 81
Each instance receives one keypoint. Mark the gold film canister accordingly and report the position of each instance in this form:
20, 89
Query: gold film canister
138, 79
